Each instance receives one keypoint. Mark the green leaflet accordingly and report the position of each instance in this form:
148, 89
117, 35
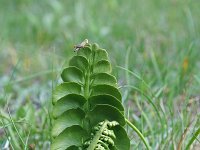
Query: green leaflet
106, 89
72, 74
105, 78
73, 135
67, 119
88, 96
105, 99
67, 102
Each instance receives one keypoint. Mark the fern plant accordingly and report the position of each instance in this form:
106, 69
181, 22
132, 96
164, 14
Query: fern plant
88, 113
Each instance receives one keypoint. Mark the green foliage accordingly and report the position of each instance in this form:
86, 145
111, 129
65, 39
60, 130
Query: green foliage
88, 112
154, 44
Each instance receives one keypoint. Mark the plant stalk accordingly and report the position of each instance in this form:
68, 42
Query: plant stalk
138, 133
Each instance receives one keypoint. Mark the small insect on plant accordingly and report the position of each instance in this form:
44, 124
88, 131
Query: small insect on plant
79, 46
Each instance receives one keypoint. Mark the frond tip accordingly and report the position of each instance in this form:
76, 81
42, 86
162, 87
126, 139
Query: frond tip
87, 112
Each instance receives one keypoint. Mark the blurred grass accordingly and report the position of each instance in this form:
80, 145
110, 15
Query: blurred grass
157, 40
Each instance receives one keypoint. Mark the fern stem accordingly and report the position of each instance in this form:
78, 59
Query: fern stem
138, 133
87, 84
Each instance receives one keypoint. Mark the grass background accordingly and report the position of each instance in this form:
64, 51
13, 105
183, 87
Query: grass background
154, 47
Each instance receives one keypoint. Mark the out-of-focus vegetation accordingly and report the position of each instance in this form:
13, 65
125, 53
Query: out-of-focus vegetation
154, 47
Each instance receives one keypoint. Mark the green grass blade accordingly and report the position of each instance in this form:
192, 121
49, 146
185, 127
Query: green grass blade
139, 134
135, 75
15, 127
193, 138
26, 144
147, 97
